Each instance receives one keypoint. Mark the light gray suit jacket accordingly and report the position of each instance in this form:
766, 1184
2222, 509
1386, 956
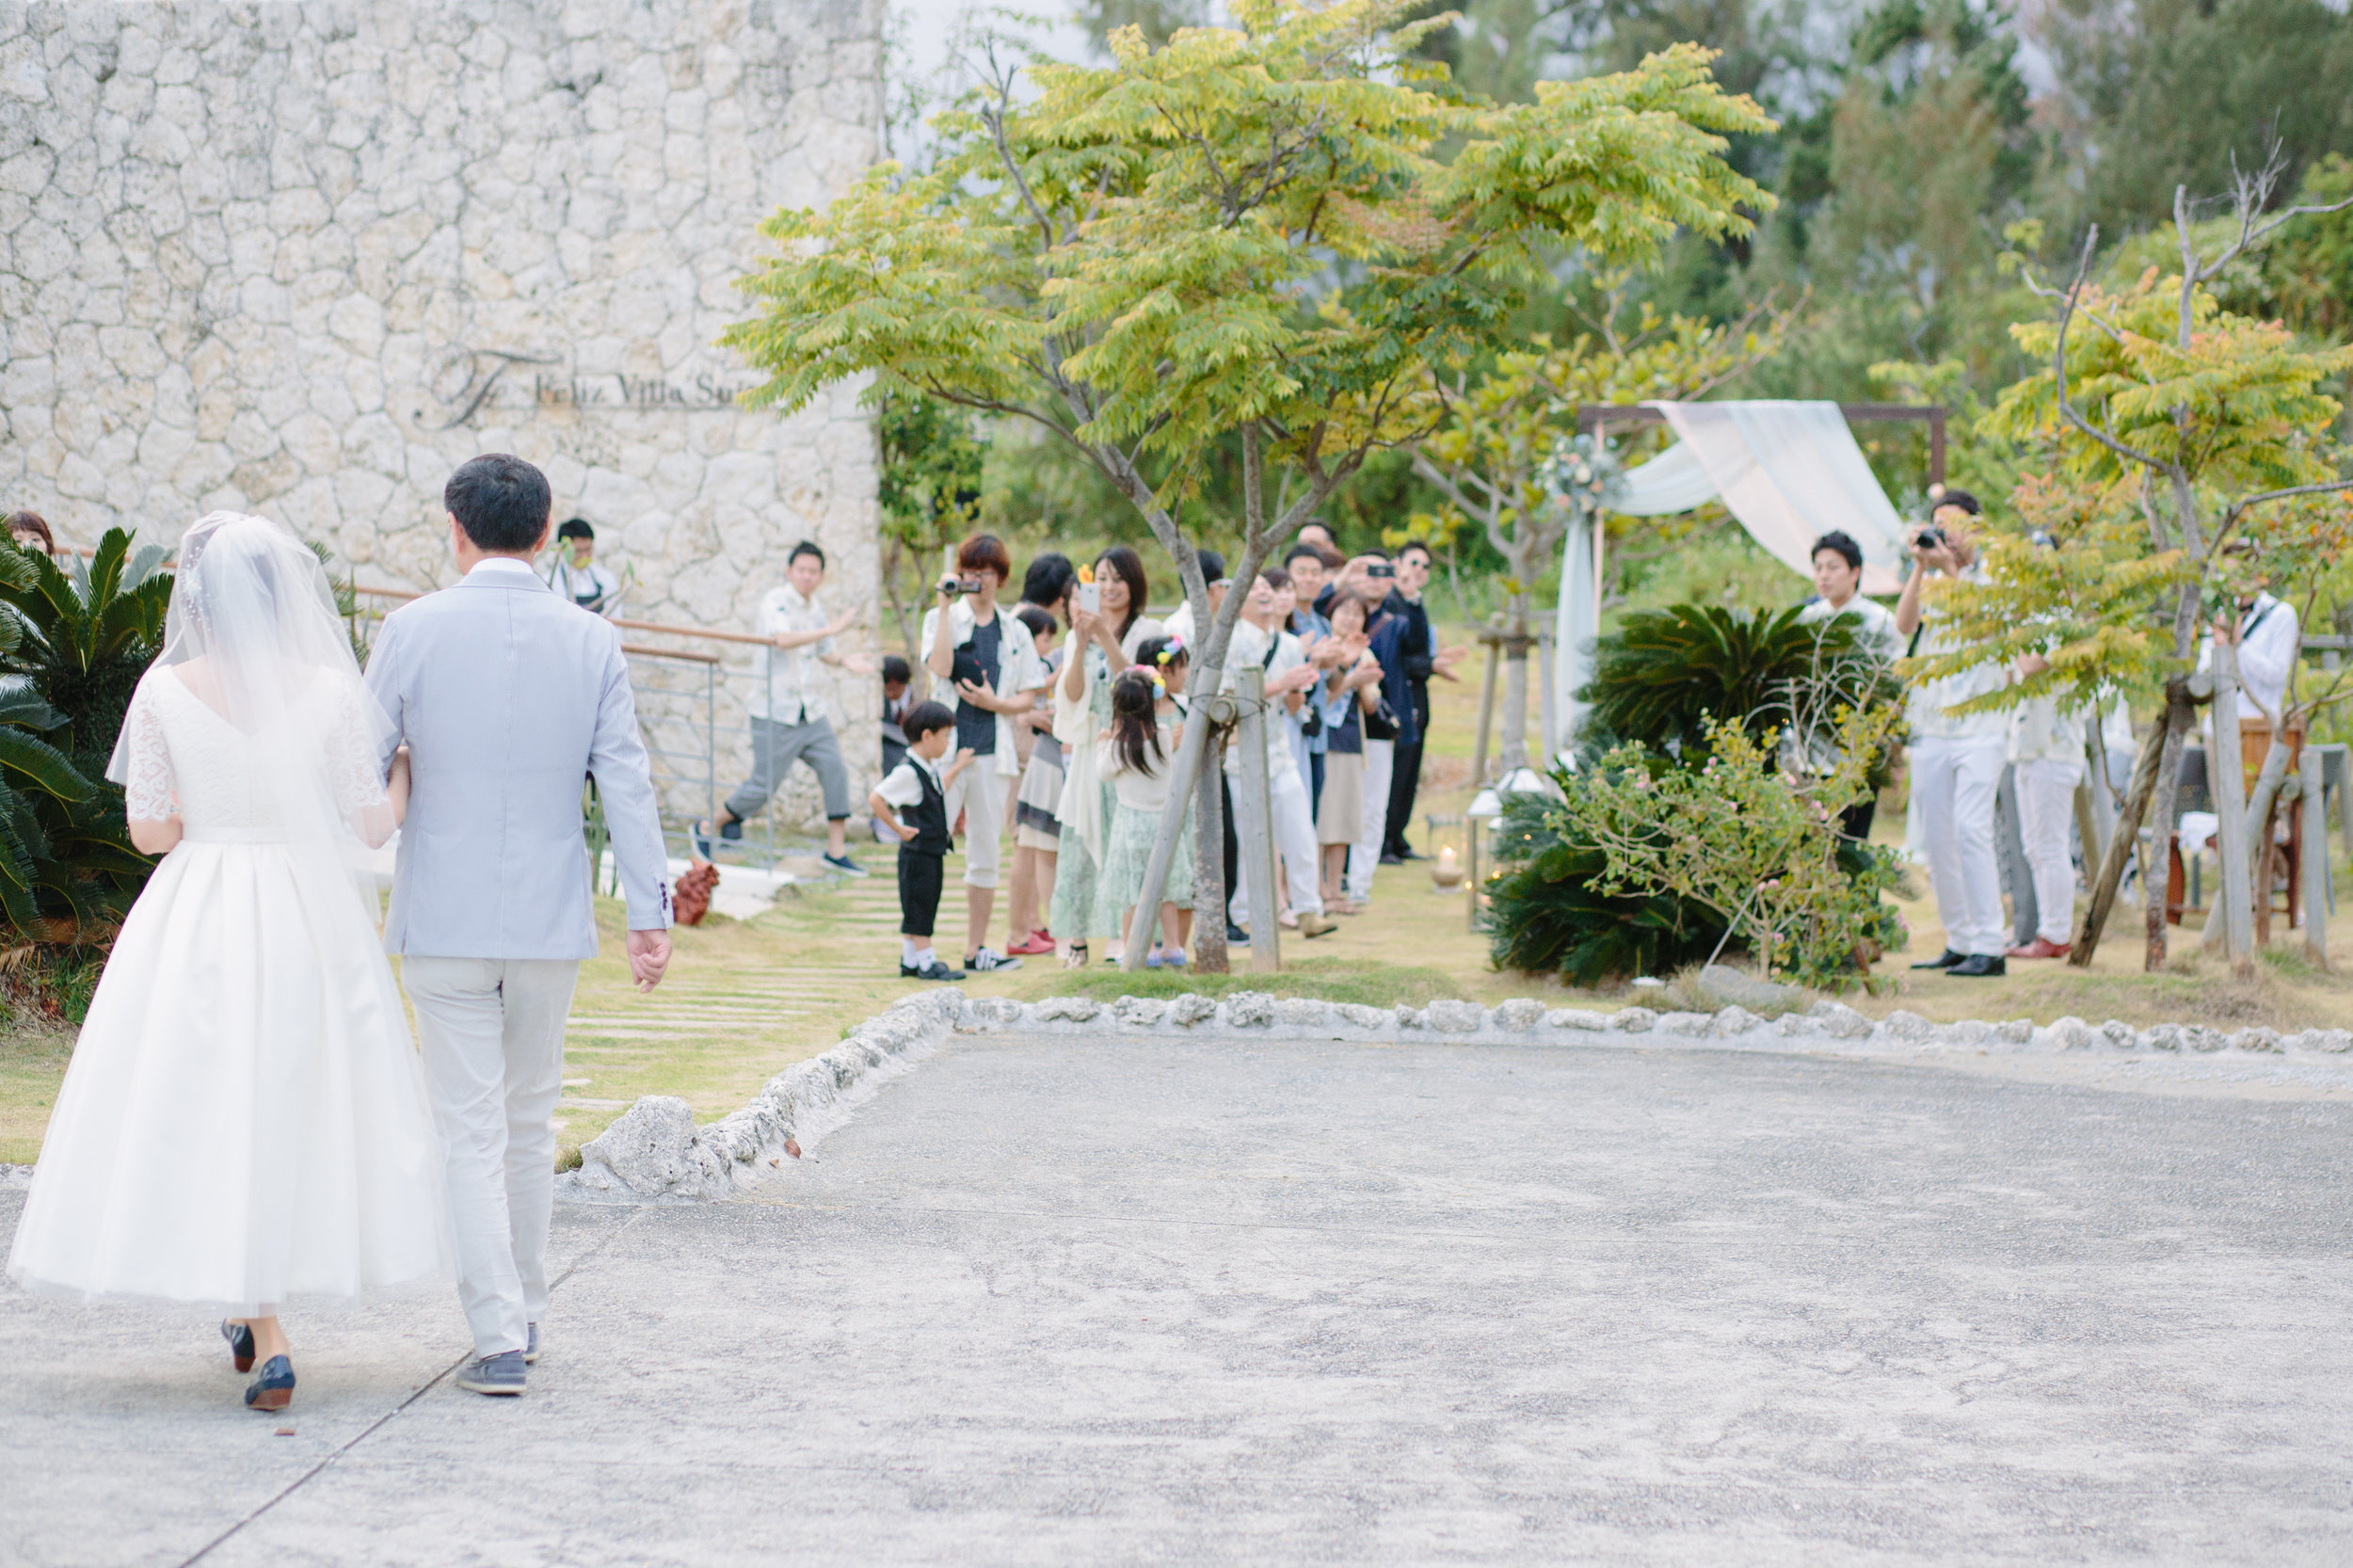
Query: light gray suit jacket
508, 697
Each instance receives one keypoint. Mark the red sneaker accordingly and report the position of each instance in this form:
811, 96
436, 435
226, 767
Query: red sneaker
1036, 941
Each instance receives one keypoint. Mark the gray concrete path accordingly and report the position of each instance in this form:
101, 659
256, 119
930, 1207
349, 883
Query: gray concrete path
1189, 1302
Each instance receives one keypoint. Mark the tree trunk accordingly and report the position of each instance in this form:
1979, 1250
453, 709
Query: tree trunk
1208, 857
2315, 869
2252, 825
1513, 755
2156, 868
2226, 779
2120, 847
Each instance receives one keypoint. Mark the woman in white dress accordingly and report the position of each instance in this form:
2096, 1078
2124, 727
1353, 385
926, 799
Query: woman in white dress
244, 1120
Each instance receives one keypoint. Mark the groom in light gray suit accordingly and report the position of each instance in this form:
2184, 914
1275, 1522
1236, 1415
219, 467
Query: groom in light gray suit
507, 697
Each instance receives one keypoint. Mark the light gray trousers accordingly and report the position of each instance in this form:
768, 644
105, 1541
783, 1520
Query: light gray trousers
492, 1032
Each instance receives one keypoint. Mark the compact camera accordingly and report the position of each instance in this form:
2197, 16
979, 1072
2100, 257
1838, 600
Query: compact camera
1931, 538
1381, 569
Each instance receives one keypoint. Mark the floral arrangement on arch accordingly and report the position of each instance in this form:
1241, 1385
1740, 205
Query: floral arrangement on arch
1583, 475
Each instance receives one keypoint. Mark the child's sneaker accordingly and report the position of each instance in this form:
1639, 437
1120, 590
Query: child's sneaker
987, 959
934, 971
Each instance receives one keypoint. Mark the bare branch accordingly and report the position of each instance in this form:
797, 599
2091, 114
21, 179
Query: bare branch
2059, 365
2241, 508
994, 118
1431, 471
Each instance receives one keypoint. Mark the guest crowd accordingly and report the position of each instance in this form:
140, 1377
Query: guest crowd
1048, 738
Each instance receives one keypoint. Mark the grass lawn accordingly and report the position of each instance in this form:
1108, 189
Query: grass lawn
746, 999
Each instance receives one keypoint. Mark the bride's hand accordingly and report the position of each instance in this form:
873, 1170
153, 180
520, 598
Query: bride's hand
649, 956
397, 786
155, 837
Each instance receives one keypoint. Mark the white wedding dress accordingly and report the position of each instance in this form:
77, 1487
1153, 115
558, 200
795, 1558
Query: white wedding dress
244, 1120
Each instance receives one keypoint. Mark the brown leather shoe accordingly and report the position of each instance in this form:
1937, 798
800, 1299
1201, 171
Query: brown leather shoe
2039, 947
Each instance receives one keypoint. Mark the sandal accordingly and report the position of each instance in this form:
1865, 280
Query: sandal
1077, 957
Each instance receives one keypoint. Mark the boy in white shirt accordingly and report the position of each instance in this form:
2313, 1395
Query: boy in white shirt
919, 791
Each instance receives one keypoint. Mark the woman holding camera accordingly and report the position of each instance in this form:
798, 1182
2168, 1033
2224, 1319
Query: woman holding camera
992, 663
1104, 635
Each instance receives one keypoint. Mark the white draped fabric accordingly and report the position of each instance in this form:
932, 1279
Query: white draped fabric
1788, 472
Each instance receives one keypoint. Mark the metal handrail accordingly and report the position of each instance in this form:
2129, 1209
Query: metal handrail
707, 633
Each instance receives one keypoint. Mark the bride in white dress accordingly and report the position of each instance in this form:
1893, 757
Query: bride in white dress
245, 1119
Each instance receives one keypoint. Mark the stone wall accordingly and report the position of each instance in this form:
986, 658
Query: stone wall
302, 258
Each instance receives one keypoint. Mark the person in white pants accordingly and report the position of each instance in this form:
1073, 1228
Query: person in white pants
987, 665
507, 696
1258, 639
1956, 759
2046, 750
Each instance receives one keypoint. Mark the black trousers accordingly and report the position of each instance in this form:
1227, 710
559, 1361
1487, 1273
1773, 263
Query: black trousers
921, 875
1406, 777
1233, 843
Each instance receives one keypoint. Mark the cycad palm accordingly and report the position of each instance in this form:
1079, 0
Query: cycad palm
73, 641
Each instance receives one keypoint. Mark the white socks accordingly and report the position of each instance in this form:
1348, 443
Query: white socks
914, 957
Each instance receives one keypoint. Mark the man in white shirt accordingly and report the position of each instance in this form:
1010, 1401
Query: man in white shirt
1838, 584
2267, 638
1955, 759
1259, 639
576, 574
787, 708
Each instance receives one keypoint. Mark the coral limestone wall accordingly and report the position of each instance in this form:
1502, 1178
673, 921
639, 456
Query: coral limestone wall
301, 259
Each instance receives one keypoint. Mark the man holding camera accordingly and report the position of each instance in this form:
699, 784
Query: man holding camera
1956, 759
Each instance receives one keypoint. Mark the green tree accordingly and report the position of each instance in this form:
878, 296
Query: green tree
2160, 402
1246, 233
1484, 460
929, 489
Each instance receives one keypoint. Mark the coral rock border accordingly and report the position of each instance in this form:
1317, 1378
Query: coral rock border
655, 1153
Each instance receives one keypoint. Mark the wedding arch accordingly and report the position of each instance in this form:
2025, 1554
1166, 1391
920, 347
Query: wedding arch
1788, 472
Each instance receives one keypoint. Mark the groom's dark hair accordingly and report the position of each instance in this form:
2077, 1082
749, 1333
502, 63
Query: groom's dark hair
500, 500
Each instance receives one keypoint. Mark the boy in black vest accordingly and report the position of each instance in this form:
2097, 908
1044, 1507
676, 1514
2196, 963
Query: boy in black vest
919, 791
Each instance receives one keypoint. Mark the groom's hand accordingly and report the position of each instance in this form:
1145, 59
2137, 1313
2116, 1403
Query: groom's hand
648, 956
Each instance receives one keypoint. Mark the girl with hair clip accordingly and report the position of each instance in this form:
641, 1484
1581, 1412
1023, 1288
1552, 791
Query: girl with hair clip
1136, 755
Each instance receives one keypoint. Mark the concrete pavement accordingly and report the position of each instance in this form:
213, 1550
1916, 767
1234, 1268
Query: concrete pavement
1176, 1301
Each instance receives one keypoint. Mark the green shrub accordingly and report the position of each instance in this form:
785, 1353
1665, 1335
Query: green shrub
1549, 912
75, 640
1757, 847
1667, 676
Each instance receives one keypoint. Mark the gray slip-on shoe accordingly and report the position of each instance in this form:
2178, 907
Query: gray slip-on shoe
502, 1373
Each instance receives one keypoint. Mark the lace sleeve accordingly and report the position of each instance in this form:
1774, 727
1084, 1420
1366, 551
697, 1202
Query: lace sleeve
147, 785
352, 766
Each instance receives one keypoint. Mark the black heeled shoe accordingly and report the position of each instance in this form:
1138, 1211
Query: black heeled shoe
274, 1389
240, 1338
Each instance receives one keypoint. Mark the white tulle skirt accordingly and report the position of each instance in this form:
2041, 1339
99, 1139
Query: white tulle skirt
244, 1120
